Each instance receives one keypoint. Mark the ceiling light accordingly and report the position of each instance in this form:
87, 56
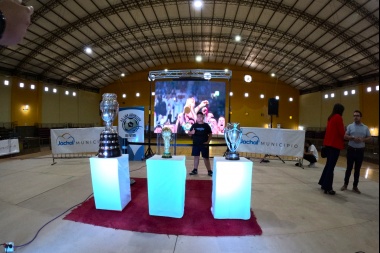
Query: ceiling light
32, 86
46, 89
291, 99
153, 94
67, 92
326, 96
88, 50
199, 58
346, 93
246, 95
333, 95
55, 90
22, 85
353, 92
74, 94
377, 87
277, 97
166, 70
124, 95
238, 38
262, 96
122, 75
231, 94
138, 95
6, 82
273, 75
226, 70
207, 76
198, 4
369, 89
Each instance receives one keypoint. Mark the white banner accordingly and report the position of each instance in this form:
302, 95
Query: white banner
272, 141
8, 147
75, 140
131, 129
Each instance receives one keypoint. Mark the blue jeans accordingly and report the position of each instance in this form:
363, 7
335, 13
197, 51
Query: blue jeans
327, 177
354, 155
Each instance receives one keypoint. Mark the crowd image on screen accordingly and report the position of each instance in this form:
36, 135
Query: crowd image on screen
178, 102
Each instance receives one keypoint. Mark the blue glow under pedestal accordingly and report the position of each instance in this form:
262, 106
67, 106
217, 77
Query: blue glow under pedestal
111, 182
166, 186
231, 189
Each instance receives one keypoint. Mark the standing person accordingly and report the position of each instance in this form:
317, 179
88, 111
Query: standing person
357, 134
310, 154
202, 134
14, 21
334, 142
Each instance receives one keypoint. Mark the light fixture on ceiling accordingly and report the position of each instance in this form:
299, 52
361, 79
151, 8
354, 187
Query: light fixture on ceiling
46, 89
88, 50
74, 94
26, 108
231, 94
246, 95
291, 99
346, 93
332, 95
32, 86
353, 92
369, 89
6, 82
55, 90
198, 58
22, 85
124, 95
67, 92
377, 87
277, 97
122, 75
138, 95
262, 96
198, 4
237, 38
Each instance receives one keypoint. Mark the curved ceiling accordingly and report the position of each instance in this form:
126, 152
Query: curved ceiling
310, 44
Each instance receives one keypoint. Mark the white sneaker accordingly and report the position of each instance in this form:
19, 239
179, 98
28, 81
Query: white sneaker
312, 165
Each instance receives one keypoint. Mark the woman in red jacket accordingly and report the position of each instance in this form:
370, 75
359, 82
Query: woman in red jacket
334, 142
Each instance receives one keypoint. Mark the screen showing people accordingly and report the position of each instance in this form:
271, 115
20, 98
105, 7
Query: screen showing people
178, 102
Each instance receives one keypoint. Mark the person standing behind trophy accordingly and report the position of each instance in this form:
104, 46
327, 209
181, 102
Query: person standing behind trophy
14, 21
357, 134
334, 143
201, 134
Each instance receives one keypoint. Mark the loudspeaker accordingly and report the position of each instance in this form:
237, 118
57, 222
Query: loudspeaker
273, 106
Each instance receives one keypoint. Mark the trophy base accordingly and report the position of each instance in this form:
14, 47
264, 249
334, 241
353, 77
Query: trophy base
167, 156
232, 156
109, 145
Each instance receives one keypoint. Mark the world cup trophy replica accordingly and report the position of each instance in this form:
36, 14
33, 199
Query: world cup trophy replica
109, 140
167, 136
233, 134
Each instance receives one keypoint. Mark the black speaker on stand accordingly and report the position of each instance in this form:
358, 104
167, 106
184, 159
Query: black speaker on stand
272, 110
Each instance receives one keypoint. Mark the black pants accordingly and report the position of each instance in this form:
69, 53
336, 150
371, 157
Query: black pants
354, 156
310, 158
327, 177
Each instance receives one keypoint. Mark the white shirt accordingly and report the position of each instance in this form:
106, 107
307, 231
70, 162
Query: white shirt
314, 151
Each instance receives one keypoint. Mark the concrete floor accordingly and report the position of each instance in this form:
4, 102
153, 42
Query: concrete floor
293, 212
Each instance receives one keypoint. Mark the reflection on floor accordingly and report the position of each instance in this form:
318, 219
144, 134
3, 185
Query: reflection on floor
291, 209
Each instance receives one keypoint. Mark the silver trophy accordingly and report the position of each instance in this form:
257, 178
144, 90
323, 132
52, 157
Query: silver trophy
233, 134
167, 136
109, 140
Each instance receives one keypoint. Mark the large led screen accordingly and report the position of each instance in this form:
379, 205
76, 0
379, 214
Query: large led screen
178, 102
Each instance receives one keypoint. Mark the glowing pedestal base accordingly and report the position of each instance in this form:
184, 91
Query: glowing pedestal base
166, 186
231, 189
111, 182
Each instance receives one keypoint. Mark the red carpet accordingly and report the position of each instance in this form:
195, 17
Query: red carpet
197, 220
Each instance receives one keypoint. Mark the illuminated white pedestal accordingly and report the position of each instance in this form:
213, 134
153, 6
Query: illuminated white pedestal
166, 186
111, 182
231, 189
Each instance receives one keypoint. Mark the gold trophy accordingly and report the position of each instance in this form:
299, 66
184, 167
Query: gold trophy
167, 136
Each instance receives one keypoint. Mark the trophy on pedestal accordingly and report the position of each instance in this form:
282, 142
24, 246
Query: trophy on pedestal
109, 140
233, 134
167, 136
